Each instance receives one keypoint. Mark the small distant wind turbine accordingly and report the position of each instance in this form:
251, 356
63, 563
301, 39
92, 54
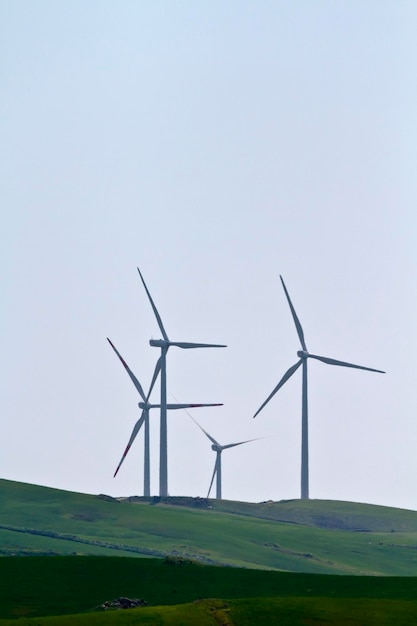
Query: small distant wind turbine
164, 344
218, 449
145, 405
304, 355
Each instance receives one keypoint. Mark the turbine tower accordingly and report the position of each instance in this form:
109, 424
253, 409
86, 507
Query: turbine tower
164, 344
145, 405
304, 355
218, 449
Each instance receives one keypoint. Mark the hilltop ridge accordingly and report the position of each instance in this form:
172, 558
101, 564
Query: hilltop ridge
331, 514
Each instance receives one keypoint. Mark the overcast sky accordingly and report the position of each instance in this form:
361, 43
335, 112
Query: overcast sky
216, 145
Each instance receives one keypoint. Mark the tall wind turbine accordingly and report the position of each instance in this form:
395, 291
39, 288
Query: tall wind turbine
145, 405
304, 354
218, 449
164, 344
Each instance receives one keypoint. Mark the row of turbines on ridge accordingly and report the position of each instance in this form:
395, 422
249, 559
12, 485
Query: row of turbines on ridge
160, 370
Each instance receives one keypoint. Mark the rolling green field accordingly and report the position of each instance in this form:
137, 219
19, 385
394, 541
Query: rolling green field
219, 562
65, 590
298, 536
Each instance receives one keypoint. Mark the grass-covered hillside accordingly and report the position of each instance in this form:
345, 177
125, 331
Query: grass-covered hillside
41, 591
299, 536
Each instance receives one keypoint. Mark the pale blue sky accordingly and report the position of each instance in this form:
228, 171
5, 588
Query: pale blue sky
216, 145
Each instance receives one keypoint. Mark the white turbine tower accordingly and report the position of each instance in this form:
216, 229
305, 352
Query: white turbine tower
164, 344
218, 449
304, 355
145, 405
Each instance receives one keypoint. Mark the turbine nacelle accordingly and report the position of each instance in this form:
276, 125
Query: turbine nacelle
303, 354
216, 448
145, 406
159, 343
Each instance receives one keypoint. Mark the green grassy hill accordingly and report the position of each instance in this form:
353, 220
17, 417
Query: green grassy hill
68, 589
299, 536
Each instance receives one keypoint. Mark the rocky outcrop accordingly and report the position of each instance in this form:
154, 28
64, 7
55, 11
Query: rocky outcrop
122, 603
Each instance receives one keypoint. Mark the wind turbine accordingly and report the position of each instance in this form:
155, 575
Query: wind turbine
164, 344
218, 449
304, 354
145, 405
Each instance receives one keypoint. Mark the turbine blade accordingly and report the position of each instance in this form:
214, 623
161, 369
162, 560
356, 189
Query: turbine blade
282, 382
295, 318
232, 445
212, 439
200, 427
129, 371
325, 359
155, 310
189, 406
212, 479
135, 431
187, 345
154, 378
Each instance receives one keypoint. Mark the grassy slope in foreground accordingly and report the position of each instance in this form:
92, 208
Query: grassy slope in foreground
283, 611
311, 536
42, 586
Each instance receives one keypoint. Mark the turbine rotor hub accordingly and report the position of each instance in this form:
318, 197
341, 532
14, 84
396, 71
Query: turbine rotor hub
144, 405
303, 354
